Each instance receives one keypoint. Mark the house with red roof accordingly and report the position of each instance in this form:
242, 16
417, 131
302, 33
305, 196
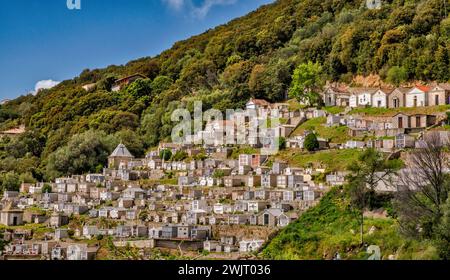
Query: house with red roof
417, 96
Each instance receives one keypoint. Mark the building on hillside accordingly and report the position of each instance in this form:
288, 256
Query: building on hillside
89, 87
404, 141
439, 95
257, 104
365, 96
409, 121
13, 132
333, 120
397, 98
335, 96
273, 217
119, 156
10, 216
374, 4
353, 101
81, 252
219, 132
121, 83
380, 98
417, 96
246, 246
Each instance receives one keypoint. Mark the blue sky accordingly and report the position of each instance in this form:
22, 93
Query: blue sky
42, 40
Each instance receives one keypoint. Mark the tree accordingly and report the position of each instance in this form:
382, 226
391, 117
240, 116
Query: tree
396, 75
27, 178
179, 156
150, 127
443, 242
46, 188
106, 83
7, 114
311, 143
307, 83
83, 153
200, 156
132, 141
9, 182
282, 143
218, 174
2, 242
140, 88
366, 173
143, 215
29, 142
160, 84
255, 82
165, 154
423, 190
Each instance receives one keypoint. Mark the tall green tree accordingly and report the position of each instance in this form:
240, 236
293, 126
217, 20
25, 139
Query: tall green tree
140, 88
160, 84
311, 143
397, 75
9, 182
165, 154
307, 82
132, 141
84, 153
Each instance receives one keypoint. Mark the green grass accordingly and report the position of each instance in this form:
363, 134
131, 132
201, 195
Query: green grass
37, 210
334, 109
332, 160
332, 227
336, 134
242, 149
294, 105
39, 230
371, 111
274, 122
168, 181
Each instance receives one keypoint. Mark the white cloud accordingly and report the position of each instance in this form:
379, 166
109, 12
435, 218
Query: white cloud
197, 10
44, 84
175, 4
203, 10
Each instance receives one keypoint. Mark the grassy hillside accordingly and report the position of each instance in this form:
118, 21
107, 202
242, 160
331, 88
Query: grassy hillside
335, 134
250, 56
332, 227
321, 159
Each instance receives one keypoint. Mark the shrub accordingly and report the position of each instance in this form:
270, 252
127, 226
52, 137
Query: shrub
311, 142
165, 154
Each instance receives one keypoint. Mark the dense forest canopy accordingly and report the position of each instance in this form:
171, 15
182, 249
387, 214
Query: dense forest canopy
250, 56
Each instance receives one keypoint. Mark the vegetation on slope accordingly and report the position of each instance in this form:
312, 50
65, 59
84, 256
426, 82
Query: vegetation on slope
335, 134
321, 159
419, 211
333, 227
